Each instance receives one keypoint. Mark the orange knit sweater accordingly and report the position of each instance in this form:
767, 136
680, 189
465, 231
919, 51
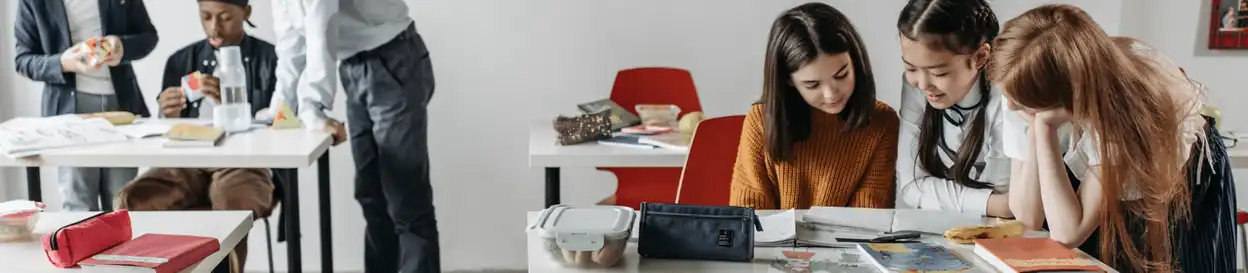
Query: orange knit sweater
831, 168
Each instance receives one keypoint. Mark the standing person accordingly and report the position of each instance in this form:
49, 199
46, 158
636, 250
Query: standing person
49, 34
950, 156
1117, 158
819, 137
388, 79
217, 188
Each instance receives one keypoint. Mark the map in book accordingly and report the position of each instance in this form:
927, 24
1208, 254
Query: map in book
914, 257
821, 260
21, 137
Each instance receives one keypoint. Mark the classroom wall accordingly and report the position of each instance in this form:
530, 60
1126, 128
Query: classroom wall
502, 65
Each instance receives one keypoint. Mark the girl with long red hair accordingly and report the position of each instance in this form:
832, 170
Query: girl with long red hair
1110, 151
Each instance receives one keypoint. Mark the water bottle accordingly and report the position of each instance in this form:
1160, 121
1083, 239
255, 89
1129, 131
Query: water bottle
233, 114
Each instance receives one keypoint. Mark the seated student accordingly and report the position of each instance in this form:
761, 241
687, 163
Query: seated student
1116, 158
950, 156
49, 38
819, 137
219, 189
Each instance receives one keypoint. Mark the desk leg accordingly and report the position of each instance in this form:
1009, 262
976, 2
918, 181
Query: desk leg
34, 190
290, 209
552, 186
327, 240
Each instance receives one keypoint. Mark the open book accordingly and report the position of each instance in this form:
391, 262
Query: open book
891, 220
22, 137
823, 226
785, 229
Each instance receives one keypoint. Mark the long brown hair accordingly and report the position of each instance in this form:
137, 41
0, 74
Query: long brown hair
960, 27
1056, 56
797, 38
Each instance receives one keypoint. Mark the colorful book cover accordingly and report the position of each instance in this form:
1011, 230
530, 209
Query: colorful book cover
821, 260
915, 257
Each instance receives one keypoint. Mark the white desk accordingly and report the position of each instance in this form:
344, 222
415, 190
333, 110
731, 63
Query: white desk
541, 261
260, 148
546, 153
228, 227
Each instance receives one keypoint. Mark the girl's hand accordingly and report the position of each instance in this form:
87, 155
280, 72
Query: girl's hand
1053, 117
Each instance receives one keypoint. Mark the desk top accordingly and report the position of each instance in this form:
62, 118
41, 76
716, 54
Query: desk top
259, 148
228, 227
545, 152
540, 260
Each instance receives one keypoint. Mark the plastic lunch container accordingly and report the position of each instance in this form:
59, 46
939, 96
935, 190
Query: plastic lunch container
661, 115
17, 220
585, 236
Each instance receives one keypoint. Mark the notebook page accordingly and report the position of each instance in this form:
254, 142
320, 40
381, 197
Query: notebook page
878, 220
934, 221
779, 227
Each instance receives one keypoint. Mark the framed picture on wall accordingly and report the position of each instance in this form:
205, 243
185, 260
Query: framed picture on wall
1228, 26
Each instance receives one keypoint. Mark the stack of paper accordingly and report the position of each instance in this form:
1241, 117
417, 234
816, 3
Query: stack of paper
22, 137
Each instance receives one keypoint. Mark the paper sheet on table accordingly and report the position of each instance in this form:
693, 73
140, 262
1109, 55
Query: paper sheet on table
778, 229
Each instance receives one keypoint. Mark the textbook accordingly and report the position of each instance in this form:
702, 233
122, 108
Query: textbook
1032, 255
184, 135
914, 257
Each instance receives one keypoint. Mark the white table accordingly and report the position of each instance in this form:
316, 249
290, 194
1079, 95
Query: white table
546, 153
228, 227
541, 261
260, 148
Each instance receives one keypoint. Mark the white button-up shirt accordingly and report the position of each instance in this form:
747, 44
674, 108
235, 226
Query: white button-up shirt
313, 35
919, 189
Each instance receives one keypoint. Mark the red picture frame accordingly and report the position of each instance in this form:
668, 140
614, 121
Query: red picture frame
1228, 24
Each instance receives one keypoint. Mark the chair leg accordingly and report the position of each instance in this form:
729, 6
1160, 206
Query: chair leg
268, 242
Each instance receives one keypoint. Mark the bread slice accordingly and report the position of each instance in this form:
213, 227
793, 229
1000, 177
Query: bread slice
1004, 229
114, 117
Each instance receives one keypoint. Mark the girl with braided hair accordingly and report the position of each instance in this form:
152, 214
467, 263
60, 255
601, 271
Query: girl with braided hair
950, 155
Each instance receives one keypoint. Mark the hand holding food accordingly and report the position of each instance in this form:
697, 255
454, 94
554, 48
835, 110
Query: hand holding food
171, 102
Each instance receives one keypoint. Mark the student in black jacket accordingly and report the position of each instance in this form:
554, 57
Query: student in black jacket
219, 189
48, 33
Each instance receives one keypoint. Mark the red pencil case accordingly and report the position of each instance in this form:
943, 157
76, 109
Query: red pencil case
75, 242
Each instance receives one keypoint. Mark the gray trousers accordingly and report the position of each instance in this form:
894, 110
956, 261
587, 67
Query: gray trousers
92, 189
388, 90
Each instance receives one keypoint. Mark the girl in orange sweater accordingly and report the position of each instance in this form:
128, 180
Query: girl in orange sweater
818, 137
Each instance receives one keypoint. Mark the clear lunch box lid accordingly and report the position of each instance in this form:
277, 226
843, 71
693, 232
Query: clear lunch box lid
583, 228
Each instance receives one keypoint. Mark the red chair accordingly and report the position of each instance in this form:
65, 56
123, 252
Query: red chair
650, 85
708, 169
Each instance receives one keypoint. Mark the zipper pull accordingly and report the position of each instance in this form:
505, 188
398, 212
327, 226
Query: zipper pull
758, 225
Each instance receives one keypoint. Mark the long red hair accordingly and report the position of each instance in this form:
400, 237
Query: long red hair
1056, 56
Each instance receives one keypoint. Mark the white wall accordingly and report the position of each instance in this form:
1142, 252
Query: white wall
503, 64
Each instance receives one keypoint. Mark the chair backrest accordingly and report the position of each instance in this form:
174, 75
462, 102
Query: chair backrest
655, 85
707, 175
